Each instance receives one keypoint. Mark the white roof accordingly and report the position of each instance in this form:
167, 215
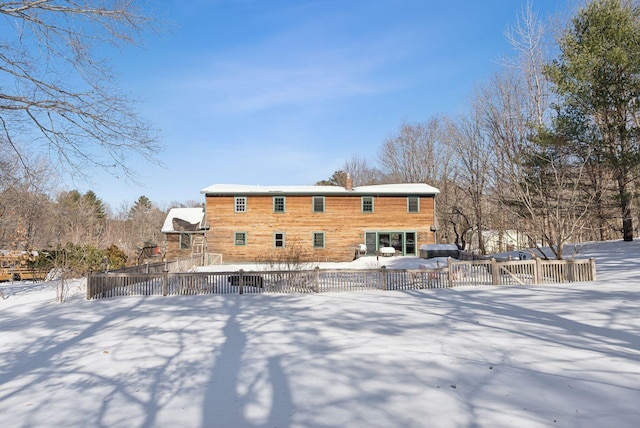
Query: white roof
379, 189
190, 215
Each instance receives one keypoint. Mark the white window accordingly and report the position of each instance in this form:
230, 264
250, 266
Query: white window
318, 239
240, 238
278, 204
413, 204
318, 204
367, 204
240, 204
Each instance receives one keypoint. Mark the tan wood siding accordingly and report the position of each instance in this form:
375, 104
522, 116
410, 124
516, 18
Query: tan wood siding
343, 223
172, 247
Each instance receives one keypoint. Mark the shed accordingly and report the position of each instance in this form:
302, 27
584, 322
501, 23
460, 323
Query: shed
184, 232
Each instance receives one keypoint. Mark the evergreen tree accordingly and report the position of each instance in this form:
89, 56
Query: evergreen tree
141, 207
597, 77
339, 178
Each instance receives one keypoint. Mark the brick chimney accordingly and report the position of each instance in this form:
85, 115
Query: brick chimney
349, 184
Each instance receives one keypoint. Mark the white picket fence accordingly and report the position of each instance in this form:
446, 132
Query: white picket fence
456, 273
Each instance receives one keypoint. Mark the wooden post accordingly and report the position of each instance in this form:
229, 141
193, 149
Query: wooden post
449, 272
383, 270
165, 283
90, 280
317, 284
495, 272
241, 281
537, 273
592, 262
570, 268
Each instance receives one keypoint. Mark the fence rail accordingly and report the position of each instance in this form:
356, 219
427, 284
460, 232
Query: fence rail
456, 273
176, 265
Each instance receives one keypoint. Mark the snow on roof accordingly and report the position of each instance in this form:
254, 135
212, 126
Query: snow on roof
193, 216
379, 189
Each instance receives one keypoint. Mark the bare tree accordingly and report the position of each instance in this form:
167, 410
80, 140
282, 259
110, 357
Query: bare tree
58, 96
473, 157
534, 175
362, 173
415, 154
528, 38
25, 207
538, 181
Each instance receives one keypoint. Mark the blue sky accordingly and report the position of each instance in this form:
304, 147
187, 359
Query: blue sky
283, 92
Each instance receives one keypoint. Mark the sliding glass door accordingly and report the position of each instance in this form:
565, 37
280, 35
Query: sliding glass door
403, 242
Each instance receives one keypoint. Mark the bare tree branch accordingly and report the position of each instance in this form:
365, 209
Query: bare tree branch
58, 95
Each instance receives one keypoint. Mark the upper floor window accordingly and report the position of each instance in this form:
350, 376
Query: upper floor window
278, 204
318, 204
367, 204
278, 240
240, 238
413, 204
240, 204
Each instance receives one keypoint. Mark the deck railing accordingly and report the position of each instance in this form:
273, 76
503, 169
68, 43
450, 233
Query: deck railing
456, 273
174, 265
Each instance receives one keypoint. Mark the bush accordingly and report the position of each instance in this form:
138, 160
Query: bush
294, 257
78, 260
117, 257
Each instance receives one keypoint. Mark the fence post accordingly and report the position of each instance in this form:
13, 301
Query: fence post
383, 270
165, 283
241, 281
592, 263
317, 285
495, 272
537, 276
89, 286
570, 271
449, 272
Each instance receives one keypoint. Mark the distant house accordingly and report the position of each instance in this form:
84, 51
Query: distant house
184, 232
508, 240
332, 223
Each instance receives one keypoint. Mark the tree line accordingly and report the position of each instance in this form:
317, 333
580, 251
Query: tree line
34, 218
549, 146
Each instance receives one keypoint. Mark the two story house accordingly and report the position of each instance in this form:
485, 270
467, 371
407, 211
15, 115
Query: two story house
333, 223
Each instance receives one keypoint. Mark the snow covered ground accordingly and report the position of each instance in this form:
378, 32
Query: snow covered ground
566, 356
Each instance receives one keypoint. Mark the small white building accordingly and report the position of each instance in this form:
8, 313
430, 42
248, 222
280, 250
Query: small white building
508, 240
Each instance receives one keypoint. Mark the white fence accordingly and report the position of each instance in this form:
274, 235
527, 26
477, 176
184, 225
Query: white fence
456, 273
